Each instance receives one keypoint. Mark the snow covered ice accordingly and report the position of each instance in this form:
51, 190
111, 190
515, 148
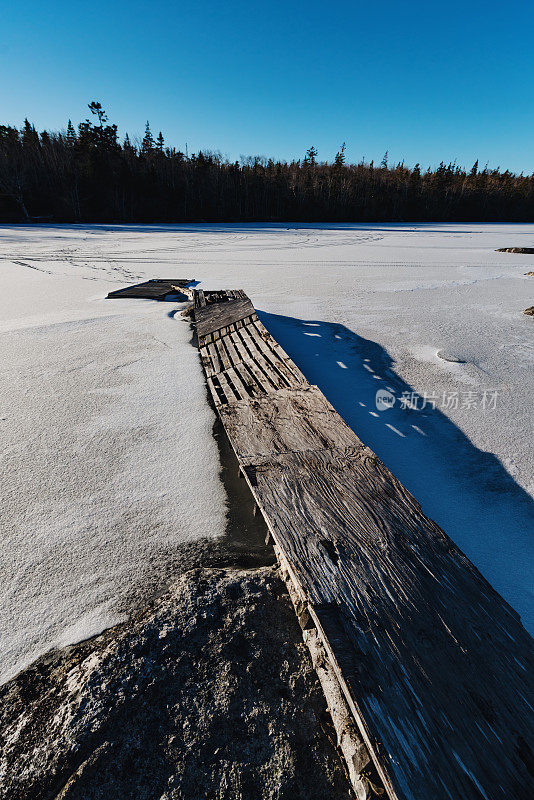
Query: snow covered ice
108, 459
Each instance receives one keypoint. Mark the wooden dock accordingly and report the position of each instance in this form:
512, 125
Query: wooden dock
154, 289
428, 673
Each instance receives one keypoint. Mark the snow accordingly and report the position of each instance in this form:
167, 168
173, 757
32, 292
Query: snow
109, 465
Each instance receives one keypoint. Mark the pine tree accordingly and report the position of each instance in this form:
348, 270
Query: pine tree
102, 137
311, 156
84, 174
70, 138
339, 160
86, 135
128, 147
96, 109
147, 145
29, 134
415, 178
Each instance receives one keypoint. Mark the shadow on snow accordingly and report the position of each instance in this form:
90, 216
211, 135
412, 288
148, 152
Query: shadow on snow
465, 490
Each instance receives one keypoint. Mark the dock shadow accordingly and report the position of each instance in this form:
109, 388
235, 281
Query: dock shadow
467, 491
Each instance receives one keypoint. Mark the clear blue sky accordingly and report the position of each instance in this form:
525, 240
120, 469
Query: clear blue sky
425, 80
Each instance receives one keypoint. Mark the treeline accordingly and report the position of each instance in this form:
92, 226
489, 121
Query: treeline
87, 175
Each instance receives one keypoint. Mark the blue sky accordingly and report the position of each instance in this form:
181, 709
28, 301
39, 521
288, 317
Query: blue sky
424, 80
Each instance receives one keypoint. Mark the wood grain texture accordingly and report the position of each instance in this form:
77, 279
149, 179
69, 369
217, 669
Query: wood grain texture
219, 315
436, 668
156, 289
238, 350
439, 668
285, 421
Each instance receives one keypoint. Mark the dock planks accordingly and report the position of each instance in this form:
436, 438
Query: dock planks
434, 667
155, 289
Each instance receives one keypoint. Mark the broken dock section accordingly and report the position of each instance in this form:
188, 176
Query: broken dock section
154, 289
427, 671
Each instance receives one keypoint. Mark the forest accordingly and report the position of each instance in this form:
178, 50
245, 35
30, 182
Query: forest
86, 174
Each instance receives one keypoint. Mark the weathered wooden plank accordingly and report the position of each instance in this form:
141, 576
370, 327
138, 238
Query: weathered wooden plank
443, 671
240, 383
435, 668
207, 362
210, 297
155, 289
264, 386
285, 421
228, 351
275, 348
219, 315
263, 379
227, 343
215, 360
252, 387
216, 392
222, 354
229, 395
279, 375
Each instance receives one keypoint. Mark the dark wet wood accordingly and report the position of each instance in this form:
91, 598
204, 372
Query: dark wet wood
156, 289
436, 668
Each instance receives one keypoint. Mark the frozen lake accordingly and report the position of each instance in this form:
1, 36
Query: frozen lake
109, 465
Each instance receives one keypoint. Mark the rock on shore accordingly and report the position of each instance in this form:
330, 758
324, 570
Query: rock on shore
208, 693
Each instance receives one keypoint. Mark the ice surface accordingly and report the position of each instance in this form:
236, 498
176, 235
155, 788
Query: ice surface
108, 459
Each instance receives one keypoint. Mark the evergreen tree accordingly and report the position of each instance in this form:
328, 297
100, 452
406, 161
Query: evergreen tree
70, 138
86, 136
147, 145
311, 156
415, 178
96, 109
339, 160
87, 176
384, 162
128, 147
104, 137
30, 137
